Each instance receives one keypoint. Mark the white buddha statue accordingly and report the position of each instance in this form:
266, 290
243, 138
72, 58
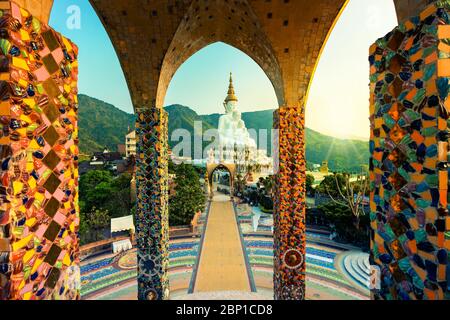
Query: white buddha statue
235, 143
232, 129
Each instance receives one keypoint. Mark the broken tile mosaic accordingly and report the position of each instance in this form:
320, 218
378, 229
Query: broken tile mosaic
409, 108
39, 177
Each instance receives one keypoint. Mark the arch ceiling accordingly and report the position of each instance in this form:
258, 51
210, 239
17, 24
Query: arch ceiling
153, 38
234, 24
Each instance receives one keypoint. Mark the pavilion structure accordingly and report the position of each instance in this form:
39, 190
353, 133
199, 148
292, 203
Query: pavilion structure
409, 71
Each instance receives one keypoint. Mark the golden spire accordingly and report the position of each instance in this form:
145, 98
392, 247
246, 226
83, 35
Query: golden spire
231, 96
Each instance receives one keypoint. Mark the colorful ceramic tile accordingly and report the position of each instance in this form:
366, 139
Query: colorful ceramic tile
152, 225
41, 253
290, 205
408, 171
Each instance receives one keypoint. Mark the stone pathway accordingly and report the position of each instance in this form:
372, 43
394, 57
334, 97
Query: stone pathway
222, 265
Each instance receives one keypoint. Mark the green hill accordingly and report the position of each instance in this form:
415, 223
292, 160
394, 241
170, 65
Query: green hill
342, 154
103, 125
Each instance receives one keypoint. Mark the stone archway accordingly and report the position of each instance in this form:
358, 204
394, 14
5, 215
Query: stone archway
275, 36
254, 29
285, 38
212, 167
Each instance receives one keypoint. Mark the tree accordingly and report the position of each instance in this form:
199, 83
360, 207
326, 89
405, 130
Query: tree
99, 189
269, 183
351, 194
331, 183
92, 178
83, 229
119, 202
309, 183
239, 184
102, 197
171, 166
98, 196
341, 220
92, 224
98, 219
188, 198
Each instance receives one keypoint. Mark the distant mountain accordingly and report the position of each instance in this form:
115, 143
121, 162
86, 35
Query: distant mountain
341, 154
103, 125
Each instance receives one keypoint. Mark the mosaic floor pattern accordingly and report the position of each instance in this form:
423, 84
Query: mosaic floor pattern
110, 277
324, 279
113, 277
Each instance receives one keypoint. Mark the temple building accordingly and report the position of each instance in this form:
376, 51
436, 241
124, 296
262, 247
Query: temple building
235, 142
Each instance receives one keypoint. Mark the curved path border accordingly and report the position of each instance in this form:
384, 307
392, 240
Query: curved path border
352, 265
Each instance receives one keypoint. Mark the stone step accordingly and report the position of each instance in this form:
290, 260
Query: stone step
354, 269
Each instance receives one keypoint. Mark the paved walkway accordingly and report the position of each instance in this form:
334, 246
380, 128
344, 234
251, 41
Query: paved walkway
222, 265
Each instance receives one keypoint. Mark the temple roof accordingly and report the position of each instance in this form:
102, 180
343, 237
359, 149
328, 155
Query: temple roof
231, 95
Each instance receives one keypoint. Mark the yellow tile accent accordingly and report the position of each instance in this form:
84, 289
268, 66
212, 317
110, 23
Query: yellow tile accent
23, 83
24, 35
34, 145
22, 132
30, 222
17, 187
28, 255
443, 69
29, 102
67, 44
39, 196
25, 118
444, 47
5, 109
21, 243
36, 265
4, 140
24, 13
66, 260
22, 284
20, 63
427, 12
444, 31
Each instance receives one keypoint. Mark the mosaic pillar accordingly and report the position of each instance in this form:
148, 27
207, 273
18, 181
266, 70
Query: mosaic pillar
152, 223
409, 82
38, 153
290, 205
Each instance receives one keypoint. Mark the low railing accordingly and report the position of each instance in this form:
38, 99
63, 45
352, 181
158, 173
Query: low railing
98, 246
106, 244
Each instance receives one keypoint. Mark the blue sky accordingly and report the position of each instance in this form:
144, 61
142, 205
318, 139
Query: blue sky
100, 74
338, 102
